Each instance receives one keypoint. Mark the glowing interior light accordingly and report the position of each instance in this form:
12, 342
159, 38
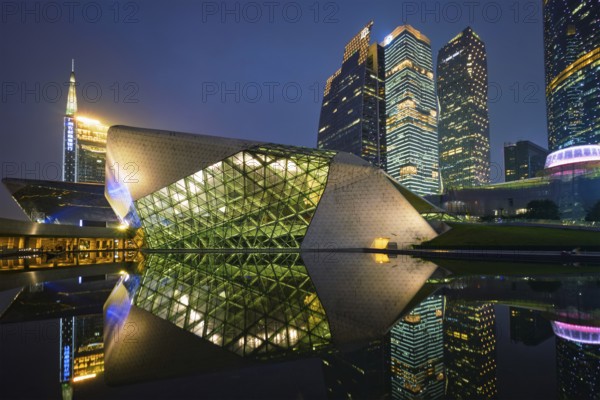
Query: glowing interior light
83, 377
380, 243
185, 300
87, 120
381, 258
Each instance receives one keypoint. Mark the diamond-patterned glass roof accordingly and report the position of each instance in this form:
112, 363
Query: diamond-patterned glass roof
263, 197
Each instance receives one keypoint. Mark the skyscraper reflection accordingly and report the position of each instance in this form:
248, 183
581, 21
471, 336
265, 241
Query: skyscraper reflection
578, 369
470, 350
417, 352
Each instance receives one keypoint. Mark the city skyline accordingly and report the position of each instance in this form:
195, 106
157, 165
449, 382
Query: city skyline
300, 199
321, 41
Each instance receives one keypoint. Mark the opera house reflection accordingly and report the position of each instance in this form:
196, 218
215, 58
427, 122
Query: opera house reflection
424, 333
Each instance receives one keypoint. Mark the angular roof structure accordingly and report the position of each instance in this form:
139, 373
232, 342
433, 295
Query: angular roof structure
60, 202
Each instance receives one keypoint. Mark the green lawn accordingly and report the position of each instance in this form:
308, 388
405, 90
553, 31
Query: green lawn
480, 236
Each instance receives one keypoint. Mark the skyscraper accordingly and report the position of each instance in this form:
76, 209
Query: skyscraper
417, 352
69, 172
353, 111
462, 86
84, 142
91, 149
522, 160
470, 350
411, 110
572, 64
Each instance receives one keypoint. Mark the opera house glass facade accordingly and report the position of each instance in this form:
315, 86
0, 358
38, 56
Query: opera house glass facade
261, 197
204, 192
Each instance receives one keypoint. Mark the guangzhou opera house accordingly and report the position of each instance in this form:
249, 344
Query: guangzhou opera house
203, 192
275, 282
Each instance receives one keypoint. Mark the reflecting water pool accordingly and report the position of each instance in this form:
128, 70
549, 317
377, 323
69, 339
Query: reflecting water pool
304, 325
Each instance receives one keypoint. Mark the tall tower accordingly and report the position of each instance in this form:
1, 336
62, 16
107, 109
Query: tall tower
353, 110
84, 142
69, 170
572, 64
411, 110
462, 85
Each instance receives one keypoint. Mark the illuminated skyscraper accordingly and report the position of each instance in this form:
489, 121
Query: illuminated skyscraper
353, 111
411, 109
69, 172
84, 142
462, 86
572, 63
91, 149
470, 350
417, 352
523, 160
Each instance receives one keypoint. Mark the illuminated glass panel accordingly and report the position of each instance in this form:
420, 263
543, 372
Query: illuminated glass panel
264, 197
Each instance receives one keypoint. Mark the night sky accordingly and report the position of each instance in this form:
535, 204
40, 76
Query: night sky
158, 63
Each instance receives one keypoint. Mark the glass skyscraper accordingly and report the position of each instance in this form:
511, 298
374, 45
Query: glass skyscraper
572, 63
353, 111
84, 142
462, 86
411, 110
